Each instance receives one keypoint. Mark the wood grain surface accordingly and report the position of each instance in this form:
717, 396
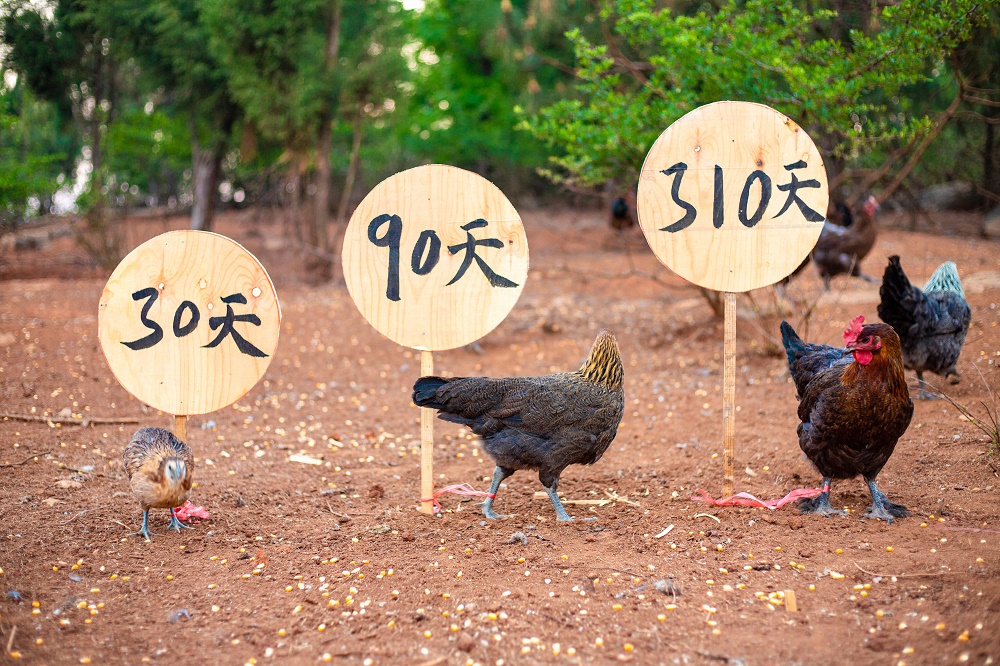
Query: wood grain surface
180, 374
722, 248
424, 311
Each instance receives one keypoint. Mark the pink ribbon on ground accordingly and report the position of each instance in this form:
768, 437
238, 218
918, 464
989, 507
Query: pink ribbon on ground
455, 489
187, 511
746, 499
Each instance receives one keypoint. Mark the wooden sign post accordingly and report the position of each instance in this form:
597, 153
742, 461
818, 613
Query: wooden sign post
434, 257
732, 197
189, 322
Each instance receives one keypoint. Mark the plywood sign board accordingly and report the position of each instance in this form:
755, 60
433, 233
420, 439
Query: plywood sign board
732, 196
189, 322
435, 257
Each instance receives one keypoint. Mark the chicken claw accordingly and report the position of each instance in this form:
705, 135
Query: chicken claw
821, 503
176, 524
144, 530
881, 507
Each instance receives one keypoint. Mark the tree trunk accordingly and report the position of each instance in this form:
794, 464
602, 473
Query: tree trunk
295, 185
319, 232
319, 236
352, 172
989, 163
206, 164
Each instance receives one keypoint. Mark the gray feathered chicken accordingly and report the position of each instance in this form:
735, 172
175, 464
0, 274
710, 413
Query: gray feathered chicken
542, 423
932, 322
159, 468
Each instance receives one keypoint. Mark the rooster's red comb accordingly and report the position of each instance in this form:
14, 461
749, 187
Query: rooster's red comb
852, 332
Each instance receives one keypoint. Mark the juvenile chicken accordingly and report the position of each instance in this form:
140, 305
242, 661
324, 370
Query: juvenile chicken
159, 468
853, 407
541, 423
932, 322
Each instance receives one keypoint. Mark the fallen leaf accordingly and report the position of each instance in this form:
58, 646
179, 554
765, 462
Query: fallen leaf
68, 483
52, 501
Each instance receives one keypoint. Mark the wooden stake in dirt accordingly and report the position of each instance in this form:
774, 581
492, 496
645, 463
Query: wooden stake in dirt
732, 197
189, 322
790, 604
181, 428
434, 257
426, 440
729, 394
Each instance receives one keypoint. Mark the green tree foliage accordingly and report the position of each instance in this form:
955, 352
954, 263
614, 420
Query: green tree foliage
146, 153
843, 87
168, 41
477, 63
295, 67
31, 154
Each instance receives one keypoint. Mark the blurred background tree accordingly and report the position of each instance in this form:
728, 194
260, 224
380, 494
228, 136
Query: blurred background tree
302, 106
842, 74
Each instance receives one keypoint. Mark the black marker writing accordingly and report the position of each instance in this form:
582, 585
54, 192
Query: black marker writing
226, 323
390, 240
151, 294
690, 212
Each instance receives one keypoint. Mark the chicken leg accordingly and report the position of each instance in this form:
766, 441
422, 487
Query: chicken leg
821, 503
881, 506
499, 474
556, 504
923, 394
144, 530
176, 524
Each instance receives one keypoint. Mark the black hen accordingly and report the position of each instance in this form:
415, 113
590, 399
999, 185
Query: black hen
932, 322
542, 423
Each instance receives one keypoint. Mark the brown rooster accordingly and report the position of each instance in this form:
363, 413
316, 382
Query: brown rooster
159, 468
542, 423
854, 406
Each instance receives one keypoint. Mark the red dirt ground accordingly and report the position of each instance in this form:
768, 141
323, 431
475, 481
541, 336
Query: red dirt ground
303, 564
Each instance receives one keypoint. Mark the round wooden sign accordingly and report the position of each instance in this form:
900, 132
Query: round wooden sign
189, 322
435, 257
732, 196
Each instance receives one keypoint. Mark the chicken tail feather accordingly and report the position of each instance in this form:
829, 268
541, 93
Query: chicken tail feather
896, 295
425, 392
791, 341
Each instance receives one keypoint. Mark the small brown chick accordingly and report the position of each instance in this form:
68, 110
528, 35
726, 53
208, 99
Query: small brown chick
159, 468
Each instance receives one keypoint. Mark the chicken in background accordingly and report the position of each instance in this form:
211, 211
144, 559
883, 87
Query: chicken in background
540, 423
623, 213
847, 238
159, 468
932, 323
845, 241
853, 407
